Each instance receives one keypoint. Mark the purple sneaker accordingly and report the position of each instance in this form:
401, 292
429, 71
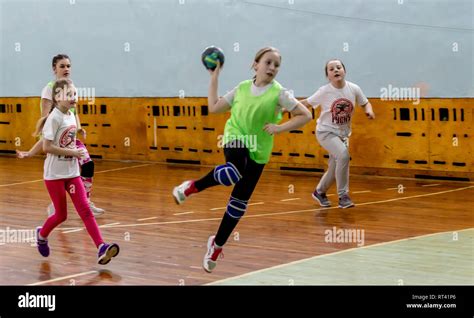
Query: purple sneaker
106, 252
345, 202
43, 247
321, 198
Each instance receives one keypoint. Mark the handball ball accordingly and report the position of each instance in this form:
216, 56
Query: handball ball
210, 56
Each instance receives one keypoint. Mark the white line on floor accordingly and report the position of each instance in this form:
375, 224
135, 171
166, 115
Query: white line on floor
62, 278
165, 263
71, 231
296, 211
103, 171
150, 218
182, 213
330, 254
109, 224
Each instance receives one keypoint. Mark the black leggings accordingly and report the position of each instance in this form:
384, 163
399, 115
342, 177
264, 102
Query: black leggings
243, 189
251, 171
87, 169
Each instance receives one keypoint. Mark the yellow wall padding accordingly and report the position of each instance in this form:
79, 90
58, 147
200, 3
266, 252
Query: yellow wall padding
435, 135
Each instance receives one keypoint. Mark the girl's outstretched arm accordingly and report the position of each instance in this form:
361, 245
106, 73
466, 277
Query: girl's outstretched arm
36, 149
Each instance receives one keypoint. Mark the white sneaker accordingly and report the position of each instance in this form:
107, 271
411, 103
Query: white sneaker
210, 259
178, 192
95, 210
50, 209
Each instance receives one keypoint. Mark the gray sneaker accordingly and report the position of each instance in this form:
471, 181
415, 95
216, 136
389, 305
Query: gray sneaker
321, 198
345, 202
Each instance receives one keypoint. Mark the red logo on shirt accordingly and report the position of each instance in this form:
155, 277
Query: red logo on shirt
341, 110
68, 138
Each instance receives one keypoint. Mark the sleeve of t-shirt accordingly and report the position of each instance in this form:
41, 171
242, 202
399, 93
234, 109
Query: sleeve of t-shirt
229, 96
50, 127
360, 97
316, 99
47, 93
287, 100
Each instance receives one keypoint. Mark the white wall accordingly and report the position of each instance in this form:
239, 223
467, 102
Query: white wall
166, 39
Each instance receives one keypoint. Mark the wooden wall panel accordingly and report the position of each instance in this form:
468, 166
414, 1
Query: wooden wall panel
403, 136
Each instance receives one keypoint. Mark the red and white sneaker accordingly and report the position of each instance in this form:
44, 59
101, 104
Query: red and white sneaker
213, 252
181, 192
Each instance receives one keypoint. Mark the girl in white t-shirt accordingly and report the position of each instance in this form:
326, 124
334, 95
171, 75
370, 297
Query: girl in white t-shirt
61, 170
337, 100
62, 69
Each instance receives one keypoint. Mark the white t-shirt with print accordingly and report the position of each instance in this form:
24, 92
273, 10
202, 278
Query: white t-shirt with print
337, 107
286, 100
60, 128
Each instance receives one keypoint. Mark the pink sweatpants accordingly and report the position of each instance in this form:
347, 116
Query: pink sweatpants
57, 191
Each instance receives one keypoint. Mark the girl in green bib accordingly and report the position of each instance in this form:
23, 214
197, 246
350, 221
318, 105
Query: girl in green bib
256, 108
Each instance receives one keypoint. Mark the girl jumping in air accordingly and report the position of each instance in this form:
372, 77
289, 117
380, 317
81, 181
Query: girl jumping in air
256, 107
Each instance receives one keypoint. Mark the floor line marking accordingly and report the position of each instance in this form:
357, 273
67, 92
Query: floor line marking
71, 231
109, 224
150, 218
365, 191
125, 168
214, 209
296, 211
182, 213
103, 171
165, 263
62, 278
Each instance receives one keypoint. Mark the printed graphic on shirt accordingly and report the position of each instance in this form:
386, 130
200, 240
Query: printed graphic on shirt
341, 110
67, 140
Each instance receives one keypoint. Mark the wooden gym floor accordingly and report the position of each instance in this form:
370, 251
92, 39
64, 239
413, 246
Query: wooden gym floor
420, 236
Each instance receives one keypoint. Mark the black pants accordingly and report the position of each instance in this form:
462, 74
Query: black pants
238, 155
251, 171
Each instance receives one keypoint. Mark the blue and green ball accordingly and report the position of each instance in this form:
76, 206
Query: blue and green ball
210, 56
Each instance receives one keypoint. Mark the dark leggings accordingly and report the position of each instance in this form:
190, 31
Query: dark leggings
87, 169
251, 171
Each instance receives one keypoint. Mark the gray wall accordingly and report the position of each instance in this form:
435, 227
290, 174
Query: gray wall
412, 43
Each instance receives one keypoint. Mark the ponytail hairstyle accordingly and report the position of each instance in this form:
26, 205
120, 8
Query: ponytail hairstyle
261, 52
59, 89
